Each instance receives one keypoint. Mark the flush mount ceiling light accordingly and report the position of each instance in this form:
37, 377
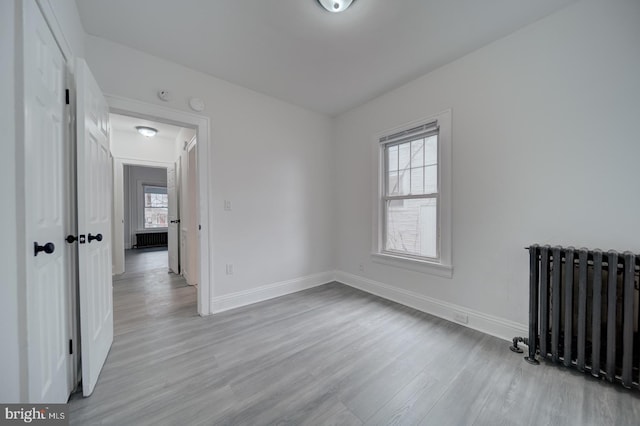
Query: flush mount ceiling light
147, 132
335, 5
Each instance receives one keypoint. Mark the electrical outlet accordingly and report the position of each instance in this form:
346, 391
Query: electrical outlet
361, 267
227, 205
229, 269
461, 318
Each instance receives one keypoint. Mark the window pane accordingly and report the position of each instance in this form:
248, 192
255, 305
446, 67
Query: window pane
431, 179
417, 154
158, 200
431, 150
156, 203
417, 181
411, 227
155, 217
404, 151
392, 158
155, 196
404, 174
392, 183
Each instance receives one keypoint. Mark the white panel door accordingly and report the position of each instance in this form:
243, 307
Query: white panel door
94, 173
174, 220
192, 212
47, 281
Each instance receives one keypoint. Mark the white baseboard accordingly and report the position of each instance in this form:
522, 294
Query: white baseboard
489, 324
269, 291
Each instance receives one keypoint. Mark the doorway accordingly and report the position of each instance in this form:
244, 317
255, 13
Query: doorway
152, 189
161, 114
145, 220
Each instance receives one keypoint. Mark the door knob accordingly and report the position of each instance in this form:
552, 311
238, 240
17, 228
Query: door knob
175, 221
47, 248
97, 237
72, 239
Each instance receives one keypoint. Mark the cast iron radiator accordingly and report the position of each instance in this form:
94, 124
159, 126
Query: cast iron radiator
151, 239
583, 311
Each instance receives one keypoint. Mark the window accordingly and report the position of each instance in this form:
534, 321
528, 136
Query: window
410, 201
156, 206
413, 212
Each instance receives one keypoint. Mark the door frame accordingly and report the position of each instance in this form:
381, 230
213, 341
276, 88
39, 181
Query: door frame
147, 111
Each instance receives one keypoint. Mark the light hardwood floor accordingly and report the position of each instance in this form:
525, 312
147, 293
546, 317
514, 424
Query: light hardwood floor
329, 355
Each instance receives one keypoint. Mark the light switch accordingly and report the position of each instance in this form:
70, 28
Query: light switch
227, 205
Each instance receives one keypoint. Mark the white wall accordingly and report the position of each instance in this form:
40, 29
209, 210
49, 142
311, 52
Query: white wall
134, 178
545, 150
268, 157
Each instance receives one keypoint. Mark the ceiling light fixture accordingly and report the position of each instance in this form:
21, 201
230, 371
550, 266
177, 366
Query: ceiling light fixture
335, 5
147, 132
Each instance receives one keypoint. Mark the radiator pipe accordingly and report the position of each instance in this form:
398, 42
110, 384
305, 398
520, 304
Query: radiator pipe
514, 347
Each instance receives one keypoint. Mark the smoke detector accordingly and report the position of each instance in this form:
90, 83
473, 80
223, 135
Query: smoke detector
164, 95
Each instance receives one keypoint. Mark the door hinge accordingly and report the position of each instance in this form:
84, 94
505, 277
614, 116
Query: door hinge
66, 96
70, 347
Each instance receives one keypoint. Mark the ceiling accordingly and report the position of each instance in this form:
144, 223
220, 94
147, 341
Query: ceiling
125, 125
296, 51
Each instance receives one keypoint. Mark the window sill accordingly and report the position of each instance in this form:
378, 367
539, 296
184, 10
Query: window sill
432, 268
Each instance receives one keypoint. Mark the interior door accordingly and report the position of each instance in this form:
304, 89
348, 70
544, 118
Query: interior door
192, 211
47, 280
94, 173
174, 220
183, 234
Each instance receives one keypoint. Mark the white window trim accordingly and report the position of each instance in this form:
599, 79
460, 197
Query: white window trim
444, 266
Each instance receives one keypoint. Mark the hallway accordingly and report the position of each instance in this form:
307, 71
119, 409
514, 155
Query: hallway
143, 260
147, 291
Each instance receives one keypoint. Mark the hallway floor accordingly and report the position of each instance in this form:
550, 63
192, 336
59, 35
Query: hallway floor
143, 260
328, 355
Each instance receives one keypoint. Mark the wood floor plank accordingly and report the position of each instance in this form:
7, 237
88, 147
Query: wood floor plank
329, 355
411, 404
331, 412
